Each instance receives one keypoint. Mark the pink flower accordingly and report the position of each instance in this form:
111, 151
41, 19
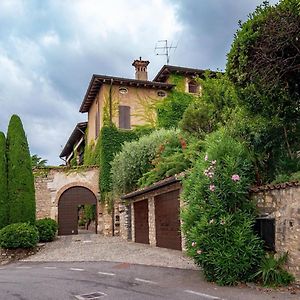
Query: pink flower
213, 162
206, 157
210, 174
199, 251
235, 177
222, 222
194, 244
212, 187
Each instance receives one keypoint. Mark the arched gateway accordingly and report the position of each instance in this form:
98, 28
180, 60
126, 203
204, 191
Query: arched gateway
58, 189
68, 208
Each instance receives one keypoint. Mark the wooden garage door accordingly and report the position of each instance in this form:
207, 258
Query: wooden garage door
167, 220
68, 208
141, 225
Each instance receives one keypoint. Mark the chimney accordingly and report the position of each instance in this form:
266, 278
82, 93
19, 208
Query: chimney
141, 69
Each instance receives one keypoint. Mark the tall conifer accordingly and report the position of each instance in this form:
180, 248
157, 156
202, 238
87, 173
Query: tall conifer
21, 194
4, 209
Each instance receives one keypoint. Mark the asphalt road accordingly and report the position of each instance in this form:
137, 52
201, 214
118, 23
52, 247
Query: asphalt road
83, 280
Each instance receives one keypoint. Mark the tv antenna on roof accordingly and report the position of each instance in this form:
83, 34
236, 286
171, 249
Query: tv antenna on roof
162, 48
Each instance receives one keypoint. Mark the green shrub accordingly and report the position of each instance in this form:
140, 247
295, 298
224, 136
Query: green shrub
218, 216
170, 109
272, 272
47, 229
19, 235
173, 157
135, 159
263, 64
212, 109
20, 178
4, 208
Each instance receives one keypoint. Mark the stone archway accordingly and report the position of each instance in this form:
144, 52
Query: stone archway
68, 204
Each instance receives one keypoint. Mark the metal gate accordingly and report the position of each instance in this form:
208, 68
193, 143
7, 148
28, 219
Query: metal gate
167, 220
68, 208
141, 225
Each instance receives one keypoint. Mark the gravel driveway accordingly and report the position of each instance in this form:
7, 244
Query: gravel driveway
95, 247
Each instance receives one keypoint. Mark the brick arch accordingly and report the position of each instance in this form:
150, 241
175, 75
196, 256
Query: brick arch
74, 184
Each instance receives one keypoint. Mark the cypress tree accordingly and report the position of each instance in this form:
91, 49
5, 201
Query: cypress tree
4, 209
21, 194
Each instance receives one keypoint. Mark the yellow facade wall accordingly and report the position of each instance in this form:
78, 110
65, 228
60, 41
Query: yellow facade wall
138, 98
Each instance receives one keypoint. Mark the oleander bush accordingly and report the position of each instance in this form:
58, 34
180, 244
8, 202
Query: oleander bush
19, 235
218, 216
47, 229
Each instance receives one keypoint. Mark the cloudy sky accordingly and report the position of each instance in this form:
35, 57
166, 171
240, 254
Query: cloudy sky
49, 50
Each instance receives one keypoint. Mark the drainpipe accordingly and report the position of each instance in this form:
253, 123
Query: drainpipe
110, 100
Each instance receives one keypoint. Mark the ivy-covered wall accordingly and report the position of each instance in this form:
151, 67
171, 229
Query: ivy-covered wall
111, 140
170, 109
179, 81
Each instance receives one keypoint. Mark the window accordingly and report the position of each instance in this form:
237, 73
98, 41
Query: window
124, 117
123, 90
265, 229
193, 87
161, 94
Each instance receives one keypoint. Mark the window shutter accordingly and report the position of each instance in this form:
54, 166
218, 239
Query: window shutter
193, 87
124, 117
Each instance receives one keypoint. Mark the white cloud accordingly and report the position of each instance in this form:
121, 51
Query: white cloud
11, 8
50, 39
135, 20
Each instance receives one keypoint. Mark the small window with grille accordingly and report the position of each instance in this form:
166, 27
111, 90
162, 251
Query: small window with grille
265, 229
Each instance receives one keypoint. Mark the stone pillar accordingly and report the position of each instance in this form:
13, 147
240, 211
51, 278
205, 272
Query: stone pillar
151, 221
181, 203
125, 221
132, 222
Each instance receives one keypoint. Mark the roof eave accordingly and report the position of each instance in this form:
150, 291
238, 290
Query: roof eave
81, 127
100, 79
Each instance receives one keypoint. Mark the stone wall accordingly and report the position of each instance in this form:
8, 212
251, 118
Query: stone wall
125, 220
50, 183
282, 203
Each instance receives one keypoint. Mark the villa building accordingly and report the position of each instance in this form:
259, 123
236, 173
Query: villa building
123, 100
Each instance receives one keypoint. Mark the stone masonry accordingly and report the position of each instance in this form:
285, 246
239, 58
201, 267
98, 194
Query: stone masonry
282, 203
50, 183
